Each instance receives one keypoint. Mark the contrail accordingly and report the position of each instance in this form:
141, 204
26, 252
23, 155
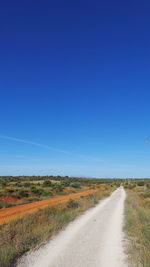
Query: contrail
34, 144
49, 148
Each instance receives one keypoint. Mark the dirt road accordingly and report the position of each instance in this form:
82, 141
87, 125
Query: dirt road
92, 240
13, 212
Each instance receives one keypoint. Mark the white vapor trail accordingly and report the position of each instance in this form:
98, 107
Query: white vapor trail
33, 143
49, 148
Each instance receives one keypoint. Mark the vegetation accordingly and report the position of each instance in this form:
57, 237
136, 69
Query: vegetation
47, 183
24, 233
30, 230
137, 224
72, 204
67, 179
75, 185
16, 190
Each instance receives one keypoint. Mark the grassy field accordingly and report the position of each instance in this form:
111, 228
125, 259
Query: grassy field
22, 234
137, 224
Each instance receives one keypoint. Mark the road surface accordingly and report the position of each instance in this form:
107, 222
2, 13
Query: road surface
94, 239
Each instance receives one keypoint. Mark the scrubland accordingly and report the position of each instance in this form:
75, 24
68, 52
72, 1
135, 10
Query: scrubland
137, 223
27, 232
25, 189
30, 230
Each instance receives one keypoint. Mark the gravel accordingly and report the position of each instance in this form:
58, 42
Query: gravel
94, 239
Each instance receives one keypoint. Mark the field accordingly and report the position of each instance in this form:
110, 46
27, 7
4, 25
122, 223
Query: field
137, 223
34, 208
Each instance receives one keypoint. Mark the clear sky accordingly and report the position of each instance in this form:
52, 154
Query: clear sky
75, 88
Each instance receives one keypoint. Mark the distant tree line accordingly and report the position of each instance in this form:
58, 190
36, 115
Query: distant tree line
67, 179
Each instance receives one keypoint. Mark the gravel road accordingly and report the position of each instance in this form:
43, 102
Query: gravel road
94, 239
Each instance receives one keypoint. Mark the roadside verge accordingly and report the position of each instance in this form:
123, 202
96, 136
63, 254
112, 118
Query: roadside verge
27, 232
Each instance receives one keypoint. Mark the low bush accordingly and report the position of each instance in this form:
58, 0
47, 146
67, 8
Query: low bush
47, 183
140, 183
23, 193
75, 185
72, 204
65, 183
36, 191
3, 184
46, 193
58, 188
129, 185
27, 184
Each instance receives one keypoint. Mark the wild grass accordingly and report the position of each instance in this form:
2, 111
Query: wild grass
137, 228
29, 231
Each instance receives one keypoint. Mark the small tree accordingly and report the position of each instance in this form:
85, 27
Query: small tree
47, 183
36, 191
75, 185
23, 193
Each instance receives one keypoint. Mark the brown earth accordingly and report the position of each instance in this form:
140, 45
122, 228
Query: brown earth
13, 212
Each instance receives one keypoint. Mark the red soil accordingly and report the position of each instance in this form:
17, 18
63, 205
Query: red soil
8, 199
13, 212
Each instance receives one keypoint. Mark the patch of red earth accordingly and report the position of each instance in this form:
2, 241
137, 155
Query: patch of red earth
66, 190
8, 199
12, 212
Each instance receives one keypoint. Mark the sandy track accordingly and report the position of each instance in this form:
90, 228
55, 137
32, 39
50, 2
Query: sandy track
13, 212
92, 240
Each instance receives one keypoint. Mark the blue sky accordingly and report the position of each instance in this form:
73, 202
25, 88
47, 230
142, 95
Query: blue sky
75, 88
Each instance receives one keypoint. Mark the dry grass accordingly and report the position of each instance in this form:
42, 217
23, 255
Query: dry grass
23, 234
12, 212
137, 228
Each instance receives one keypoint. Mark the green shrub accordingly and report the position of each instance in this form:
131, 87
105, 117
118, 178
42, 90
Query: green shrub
75, 185
36, 191
46, 193
27, 184
65, 183
140, 183
23, 193
4, 184
72, 204
47, 183
58, 188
